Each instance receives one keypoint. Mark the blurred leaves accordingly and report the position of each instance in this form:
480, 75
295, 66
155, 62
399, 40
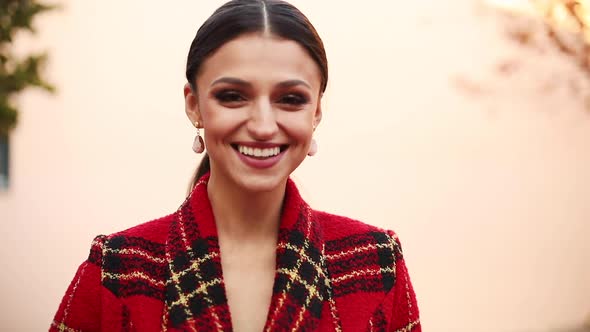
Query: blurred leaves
564, 25
573, 17
18, 73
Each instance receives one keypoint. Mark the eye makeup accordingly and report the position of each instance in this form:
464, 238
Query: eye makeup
229, 96
233, 92
293, 99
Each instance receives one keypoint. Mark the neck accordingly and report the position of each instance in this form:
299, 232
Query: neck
245, 216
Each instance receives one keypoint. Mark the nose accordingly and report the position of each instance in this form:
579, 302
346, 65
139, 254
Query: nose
262, 124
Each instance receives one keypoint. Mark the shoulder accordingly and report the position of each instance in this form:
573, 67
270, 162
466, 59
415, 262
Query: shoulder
146, 239
155, 230
133, 261
340, 230
359, 257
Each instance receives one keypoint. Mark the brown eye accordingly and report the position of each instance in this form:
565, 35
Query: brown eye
294, 99
229, 96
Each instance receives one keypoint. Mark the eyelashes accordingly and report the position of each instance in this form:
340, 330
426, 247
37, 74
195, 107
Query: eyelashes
294, 99
236, 98
229, 96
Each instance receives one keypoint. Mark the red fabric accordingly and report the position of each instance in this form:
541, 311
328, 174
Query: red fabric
333, 274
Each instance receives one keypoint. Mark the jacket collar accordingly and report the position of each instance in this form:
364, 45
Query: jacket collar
195, 292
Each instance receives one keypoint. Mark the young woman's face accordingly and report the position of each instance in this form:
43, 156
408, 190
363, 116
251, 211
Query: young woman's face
258, 100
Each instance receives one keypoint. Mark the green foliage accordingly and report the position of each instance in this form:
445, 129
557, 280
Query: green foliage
16, 74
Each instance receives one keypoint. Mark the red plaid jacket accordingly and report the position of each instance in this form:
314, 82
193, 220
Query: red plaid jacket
332, 274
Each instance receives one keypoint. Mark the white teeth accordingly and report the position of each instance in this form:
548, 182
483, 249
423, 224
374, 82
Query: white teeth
257, 152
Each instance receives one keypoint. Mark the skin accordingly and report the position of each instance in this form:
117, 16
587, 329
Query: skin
255, 88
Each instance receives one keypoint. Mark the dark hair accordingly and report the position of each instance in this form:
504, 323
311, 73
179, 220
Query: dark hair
237, 17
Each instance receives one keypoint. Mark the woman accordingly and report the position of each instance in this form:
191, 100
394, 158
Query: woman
244, 252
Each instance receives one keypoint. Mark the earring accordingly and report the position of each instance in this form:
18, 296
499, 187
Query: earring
313, 148
198, 144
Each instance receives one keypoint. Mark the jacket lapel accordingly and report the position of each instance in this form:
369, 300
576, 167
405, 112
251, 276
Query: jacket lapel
195, 292
301, 286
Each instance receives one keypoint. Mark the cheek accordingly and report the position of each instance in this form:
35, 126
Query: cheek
298, 126
219, 121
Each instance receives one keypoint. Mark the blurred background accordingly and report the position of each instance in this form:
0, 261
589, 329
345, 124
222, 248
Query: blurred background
463, 125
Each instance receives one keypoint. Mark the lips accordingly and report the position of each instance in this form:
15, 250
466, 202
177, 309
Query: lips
259, 152
260, 155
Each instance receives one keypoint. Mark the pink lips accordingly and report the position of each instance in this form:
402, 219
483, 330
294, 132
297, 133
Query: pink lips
260, 163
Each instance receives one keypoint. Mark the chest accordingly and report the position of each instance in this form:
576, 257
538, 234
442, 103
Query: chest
248, 277
243, 290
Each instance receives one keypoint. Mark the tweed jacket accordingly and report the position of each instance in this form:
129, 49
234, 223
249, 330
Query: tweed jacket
332, 274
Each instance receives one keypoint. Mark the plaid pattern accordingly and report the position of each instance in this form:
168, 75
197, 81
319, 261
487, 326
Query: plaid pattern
195, 295
130, 266
332, 274
301, 282
361, 263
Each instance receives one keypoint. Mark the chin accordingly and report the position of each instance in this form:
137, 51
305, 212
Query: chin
255, 181
261, 183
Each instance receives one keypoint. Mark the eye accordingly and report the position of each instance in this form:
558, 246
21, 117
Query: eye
229, 96
294, 99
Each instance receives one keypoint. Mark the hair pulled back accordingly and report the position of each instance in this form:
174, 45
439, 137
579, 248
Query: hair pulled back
237, 17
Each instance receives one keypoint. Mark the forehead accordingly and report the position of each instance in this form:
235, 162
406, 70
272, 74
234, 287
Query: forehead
258, 57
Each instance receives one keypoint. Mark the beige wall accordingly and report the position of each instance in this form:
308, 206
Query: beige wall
485, 177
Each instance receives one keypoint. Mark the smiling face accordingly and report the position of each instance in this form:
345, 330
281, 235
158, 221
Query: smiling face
258, 99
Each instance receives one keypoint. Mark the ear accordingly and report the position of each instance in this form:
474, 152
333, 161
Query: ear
317, 116
191, 104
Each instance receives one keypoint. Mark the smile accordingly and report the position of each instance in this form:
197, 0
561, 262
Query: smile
259, 152
257, 155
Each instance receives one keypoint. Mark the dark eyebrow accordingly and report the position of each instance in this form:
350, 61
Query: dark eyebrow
231, 80
290, 83
237, 81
